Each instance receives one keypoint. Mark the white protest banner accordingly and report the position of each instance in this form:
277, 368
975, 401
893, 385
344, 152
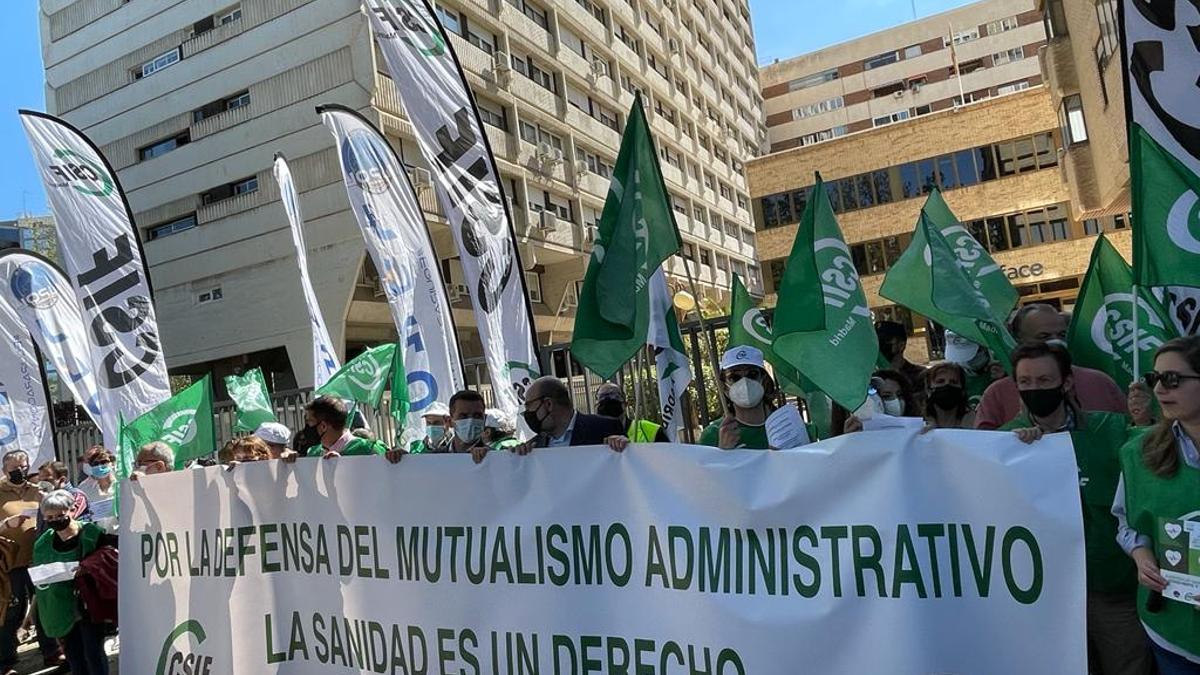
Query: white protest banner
41, 297
102, 256
25, 421
948, 552
325, 360
397, 239
435, 96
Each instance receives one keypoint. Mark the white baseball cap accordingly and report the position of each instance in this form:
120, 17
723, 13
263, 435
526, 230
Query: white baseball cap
436, 408
959, 349
742, 356
273, 433
493, 418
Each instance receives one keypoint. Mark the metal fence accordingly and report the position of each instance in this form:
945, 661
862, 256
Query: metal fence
699, 406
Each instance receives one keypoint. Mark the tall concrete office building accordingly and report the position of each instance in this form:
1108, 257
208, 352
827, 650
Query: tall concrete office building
968, 54
190, 99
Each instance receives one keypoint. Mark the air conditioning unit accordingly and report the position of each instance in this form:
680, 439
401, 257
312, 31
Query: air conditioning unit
599, 68
420, 177
501, 64
673, 45
581, 167
557, 155
669, 4
547, 221
456, 291
529, 258
545, 151
899, 94
915, 86
591, 233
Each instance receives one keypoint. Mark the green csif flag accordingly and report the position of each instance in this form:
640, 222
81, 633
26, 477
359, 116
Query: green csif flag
636, 234
968, 274
250, 397
400, 402
1101, 334
184, 422
1166, 215
823, 328
365, 377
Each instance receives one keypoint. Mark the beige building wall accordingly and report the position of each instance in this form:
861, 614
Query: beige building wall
225, 282
996, 43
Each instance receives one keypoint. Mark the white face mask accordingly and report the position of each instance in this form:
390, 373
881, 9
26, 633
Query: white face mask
1058, 342
746, 393
468, 429
894, 407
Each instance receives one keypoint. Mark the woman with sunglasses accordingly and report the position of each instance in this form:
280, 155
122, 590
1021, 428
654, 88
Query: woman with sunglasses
748, 392
1157, 505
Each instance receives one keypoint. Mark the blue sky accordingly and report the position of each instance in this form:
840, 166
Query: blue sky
782, 28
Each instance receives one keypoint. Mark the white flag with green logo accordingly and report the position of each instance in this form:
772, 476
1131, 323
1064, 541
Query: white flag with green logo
670, 358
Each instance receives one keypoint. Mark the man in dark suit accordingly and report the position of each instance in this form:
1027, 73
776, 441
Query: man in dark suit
551, 415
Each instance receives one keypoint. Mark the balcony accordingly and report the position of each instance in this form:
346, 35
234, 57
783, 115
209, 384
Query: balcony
533, 34
590, 127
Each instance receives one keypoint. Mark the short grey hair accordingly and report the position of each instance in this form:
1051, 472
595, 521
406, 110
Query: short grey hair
159, 451
60, 500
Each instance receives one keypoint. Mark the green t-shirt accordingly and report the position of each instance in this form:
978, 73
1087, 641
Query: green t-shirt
356, 446
1097, 452
58, 605
976, 385
749, 437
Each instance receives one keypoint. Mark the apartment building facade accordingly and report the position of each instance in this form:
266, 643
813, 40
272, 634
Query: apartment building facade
190, 99
998, 164
968, 54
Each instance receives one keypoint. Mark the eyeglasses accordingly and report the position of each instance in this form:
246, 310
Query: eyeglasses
1169, 379
537, 402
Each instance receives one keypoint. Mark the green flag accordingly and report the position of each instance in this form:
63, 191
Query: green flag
969, 273
958, 302
184, 422
250, 397
365, 378
823, 328
1101, 334
1166, 215
399, 403
636, 234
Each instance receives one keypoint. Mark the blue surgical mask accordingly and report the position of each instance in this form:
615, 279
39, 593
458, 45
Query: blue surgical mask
101, 470
86, 469
435, 434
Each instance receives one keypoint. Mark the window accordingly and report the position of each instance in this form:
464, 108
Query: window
963, 36
222, 192
968, 67
536, 135
210, 295
1002, 26
1109, 41
238, 100
493, 114
1012, 87
449, 19
166, 229
1009, 56
163, 147
835, 103
535, 13
533, 284
705, 257
922, 110
158, 63
597, 165
945, 172
888, 89
912, 52
910, 180
1070, 118
824, 135
968, 169
230, 15
813, 80
526, 66
1055, 19
881, 60
885, 120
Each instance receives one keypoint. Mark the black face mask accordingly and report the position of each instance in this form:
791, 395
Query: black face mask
611, 408
16, 476
534, 420
948, 396
1042, 402
58, 524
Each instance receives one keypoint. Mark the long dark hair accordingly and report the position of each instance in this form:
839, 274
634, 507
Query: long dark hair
906, 388
1160, 448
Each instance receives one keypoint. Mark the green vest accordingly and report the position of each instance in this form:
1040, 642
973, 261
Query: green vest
1097, 452
749, 437
642, 431
1152, 503
356, 446
58, 608
505, 443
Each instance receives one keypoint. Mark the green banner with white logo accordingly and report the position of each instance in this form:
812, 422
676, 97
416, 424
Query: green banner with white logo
250, 397
364, 378
1102, 332
184, 422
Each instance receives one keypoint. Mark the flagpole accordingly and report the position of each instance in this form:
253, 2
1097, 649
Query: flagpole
712, 339
1137, 371
638, 376
962, 97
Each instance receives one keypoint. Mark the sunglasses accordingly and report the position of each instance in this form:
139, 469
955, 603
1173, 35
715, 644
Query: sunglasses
1168, 380
751, 375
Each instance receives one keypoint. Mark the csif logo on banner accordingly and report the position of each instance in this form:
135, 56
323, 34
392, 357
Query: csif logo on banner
80, 174
183, 657
179, 428
1112, 327
477, 199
